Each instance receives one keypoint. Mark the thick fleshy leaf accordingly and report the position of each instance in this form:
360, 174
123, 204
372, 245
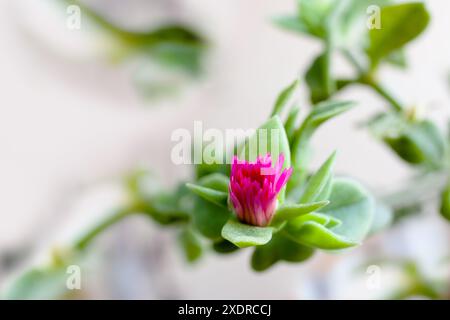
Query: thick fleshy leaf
191, 245
291, 211
209, 218
416, 142
243, 235
280, 248
319, 182
43, 283
224, 247
300, 141
284, 97
400, 24
445, 203
318, 79
216, 181
382, 219
353, 206
326, 220
316, 235
215, 196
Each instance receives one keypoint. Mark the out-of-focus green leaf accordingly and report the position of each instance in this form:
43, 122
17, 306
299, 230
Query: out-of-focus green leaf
43, 283
224, 247
445, 202
280, 248
191, 245
315, 14
291, 23
382, 219
319, 181
243, 235
400, 23
353, 206
284, 97
398, 59
320, 85
416, 142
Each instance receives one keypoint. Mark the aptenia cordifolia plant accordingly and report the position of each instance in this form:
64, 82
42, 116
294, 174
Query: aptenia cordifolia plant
271, 202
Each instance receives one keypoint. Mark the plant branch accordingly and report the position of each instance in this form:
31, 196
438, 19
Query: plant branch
89, 236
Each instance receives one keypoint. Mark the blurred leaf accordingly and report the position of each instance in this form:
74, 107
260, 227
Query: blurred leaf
36, 284
319, 181
314, 15
243, 235
353, 206
191, 245
416, 142
224, 246
397, 58
280, 248
290, 211
400, 24
382, 219
321, 87
291, 23
291, 122
284, 97
445, 202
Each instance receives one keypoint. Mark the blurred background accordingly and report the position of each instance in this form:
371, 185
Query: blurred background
74, 119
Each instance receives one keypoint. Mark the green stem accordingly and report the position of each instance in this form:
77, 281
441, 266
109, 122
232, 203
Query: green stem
367, 78
386, 95
88, 237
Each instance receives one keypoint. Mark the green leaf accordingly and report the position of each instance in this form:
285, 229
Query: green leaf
216, 181
217, 197
319, 181
315, 15
270, 137
320, 218
300, 142
321, 87
382, 219
39, 283
316, 235
280, 248
290, 211
416, 142
209, 218
291, 122
243, 235
400, 24
445, 202
224, 247
291, 23
353, 206
191, 245
397, 59
284, 97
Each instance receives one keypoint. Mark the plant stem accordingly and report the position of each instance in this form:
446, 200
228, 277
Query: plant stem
367, 78
386, 95
116, 216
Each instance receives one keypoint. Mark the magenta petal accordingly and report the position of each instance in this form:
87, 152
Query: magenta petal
254, 187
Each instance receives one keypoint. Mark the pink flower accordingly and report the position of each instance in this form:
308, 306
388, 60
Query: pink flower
254, 187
